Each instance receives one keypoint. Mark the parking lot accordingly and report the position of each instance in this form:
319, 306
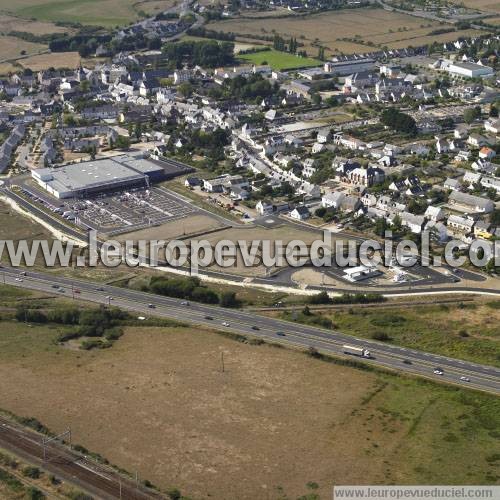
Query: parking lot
116, 213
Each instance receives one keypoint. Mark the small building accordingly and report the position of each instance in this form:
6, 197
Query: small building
300, 213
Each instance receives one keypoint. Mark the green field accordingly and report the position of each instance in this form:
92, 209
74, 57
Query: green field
107, 13
470, 333
280, 60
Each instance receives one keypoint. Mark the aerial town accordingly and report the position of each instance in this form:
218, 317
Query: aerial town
249, 119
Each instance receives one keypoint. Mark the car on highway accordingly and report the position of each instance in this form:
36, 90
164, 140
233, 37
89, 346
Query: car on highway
100, 289
151, 306
407, 362
61, 290
438, 371
55, 286
19, 279
184, 303
225, 323
463, 378
77, 290
255, 327
209, 318
281, 334
109, 297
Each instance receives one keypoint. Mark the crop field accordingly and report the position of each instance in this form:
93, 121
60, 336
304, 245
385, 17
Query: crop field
52, 60
158, 403
483, 5
12, 23
152, 7
99, 12
344, 31
13, 48
280, 60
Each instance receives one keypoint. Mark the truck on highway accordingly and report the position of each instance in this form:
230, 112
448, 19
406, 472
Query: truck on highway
356, 351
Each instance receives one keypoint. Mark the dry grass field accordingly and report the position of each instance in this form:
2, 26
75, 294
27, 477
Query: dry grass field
55, 60
483, 5
12, 23
13, 48
381, 27
152, 7
275, 424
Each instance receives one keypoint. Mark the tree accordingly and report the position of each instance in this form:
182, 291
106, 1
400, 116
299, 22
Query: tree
122, 142
186, 89
228, 299
399, 121
472, 114
493, 111
316, 99
380, 227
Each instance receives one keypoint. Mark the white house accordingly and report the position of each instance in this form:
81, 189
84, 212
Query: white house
300, 213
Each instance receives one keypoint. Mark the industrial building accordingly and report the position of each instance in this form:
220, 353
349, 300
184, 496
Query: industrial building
344, 68
80, 180
470, 70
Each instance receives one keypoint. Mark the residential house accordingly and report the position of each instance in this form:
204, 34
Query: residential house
434, 214
470, 203
452, 184
300, 213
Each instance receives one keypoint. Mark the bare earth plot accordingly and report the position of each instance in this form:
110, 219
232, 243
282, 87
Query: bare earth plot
11, 23
274, 421
358, 25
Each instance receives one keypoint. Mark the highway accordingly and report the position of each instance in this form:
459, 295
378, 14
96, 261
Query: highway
480, 377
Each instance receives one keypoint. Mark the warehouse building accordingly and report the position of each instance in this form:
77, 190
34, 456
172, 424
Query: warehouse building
86, 179
344, 68
470, 70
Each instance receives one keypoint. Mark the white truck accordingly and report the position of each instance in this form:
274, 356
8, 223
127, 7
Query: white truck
356, 351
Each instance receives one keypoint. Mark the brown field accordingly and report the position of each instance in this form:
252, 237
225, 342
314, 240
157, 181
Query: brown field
379, 26
483, 5
178, 228
11, 23
152, 7
275, 424
6, 68
55, 60
11, 48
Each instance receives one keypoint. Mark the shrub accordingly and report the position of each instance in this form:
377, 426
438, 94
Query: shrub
33, 472
382, 336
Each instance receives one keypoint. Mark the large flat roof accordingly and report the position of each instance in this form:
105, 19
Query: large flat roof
103, 172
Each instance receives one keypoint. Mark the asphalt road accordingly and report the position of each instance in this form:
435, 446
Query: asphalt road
481, 377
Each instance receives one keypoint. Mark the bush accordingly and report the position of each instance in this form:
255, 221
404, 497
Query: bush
174, 494
34, 494
228, 299
382, 336
320, 298
32, 472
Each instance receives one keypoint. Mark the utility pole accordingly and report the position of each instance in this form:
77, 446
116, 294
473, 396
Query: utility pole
222, 361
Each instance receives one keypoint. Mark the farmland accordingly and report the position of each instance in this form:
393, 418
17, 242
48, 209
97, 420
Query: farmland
157, 402
13, 48
108, 13
279, 61
482, 5
52, 60
347, 31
